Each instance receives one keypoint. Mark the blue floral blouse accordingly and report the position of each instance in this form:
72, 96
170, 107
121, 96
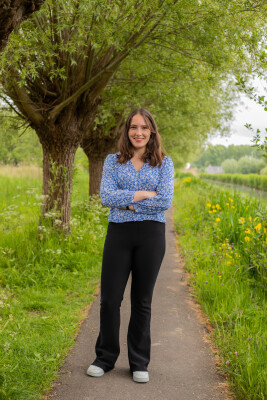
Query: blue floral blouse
120, 182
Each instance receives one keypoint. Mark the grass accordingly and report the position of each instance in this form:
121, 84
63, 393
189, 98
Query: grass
223, 241
46, 280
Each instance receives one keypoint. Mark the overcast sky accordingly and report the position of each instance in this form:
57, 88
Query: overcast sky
249, 112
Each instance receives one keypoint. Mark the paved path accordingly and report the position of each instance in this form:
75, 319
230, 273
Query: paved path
182, 364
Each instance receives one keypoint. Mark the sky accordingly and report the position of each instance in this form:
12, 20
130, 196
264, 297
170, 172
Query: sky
247, 111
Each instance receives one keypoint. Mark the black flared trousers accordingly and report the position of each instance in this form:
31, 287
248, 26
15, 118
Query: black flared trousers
137, 246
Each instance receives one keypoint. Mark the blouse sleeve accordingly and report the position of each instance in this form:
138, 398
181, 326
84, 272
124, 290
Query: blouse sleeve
110, 195
165, 189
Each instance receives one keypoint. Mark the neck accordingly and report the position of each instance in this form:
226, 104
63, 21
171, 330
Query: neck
139, 153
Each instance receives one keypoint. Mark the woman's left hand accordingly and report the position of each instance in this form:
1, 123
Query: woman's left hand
131, 208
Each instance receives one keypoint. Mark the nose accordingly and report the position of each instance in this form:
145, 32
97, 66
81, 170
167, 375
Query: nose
139, 131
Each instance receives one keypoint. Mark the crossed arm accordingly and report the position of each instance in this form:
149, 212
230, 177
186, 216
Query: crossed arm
142, 201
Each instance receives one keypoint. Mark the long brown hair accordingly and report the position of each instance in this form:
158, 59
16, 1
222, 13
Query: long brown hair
153, 153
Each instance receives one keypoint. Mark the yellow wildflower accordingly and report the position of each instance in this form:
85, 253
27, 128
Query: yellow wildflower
241, 220
208, 205
258, 227
218, 219
188, 179
247, 231
247, 238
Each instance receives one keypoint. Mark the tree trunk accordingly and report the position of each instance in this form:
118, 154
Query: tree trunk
58, 161
96, 151
97, 145
96, 163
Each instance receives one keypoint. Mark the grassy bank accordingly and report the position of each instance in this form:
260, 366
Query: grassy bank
46, 280
223, 241
255, 181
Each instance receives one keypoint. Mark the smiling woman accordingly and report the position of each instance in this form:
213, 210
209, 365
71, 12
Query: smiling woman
137, 184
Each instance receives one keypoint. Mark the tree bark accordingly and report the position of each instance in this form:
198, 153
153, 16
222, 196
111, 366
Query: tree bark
59, 150
96, 153
96, 163
97, 145
12, 13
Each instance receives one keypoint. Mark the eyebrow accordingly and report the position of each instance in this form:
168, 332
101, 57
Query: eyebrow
141, 125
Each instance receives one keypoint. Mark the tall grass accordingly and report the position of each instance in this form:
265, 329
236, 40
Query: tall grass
251, 180
223, 241
46, 280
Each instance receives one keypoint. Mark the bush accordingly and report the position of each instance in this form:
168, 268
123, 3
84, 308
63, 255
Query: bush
246, 165
229, 166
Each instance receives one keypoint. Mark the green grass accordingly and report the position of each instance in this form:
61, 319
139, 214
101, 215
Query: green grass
223, 241
251, 180
46, 280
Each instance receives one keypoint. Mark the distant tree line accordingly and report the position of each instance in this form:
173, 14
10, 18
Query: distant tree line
216, 155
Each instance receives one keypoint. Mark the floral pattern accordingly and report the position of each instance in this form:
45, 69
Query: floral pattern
120, 182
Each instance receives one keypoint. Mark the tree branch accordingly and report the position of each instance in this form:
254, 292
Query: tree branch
27, 105
108, 71
11, 106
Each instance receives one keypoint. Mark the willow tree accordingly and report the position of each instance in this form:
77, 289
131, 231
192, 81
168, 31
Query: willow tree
186, 79
188, 105
58, 64
61, 59
12, 13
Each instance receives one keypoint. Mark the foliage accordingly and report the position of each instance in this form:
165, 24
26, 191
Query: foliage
47, 279
247, 165
59, 62
16, 145
223, 241
251, 180
244, 86
263, 171
229, 166
216, 155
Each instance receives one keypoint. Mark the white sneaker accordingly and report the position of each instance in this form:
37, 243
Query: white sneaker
93, 370
140, 376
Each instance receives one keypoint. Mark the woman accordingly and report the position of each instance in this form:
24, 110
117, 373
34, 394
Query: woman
137, 184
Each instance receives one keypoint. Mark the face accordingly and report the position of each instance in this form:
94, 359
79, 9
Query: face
139, 132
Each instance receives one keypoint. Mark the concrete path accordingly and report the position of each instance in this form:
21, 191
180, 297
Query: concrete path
182, 363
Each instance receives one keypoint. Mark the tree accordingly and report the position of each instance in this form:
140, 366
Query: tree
12, 13
246, 165
58, 64
229, 166
184, 101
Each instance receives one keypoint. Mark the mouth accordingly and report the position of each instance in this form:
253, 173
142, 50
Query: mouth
138, 139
